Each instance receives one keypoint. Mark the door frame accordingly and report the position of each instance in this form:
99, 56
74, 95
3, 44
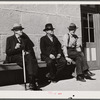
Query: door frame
86, 9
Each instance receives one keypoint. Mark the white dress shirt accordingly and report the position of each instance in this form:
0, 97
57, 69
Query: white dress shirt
72, 43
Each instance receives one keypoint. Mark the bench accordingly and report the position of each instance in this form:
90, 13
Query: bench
13, 74
9, 65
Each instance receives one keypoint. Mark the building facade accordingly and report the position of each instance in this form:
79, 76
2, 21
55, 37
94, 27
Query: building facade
33, 18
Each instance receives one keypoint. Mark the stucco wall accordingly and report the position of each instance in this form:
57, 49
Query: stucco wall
33, 18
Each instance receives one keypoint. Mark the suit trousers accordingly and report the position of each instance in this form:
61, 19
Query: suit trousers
55, 66
79, 58
30, 64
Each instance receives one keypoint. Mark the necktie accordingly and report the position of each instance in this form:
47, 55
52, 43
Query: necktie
19, 39
75, 36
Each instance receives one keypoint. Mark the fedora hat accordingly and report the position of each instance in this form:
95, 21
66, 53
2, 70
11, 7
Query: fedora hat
17, 26
48, 27
72, 26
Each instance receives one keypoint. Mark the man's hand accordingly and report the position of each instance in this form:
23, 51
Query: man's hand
26, 53
69, 61
17, 45
52, 56
58, 56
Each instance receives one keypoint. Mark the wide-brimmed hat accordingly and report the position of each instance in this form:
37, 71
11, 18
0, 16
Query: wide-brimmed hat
72, 26
17, 26
48, 27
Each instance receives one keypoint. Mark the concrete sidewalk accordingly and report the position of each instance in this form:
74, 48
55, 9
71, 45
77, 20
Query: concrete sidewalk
64, 85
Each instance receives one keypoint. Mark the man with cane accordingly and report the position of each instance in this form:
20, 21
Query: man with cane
17, 43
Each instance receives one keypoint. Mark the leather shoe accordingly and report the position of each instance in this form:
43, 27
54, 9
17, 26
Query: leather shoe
88, 77
54, 80
49, 76
80, 78
33, 87
90, 73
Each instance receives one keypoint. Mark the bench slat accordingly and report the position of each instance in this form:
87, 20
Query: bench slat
14, 66
10, 66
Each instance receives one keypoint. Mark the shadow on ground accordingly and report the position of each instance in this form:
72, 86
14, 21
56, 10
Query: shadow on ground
11, 77
64, 74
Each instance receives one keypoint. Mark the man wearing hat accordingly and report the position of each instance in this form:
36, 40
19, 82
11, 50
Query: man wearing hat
51, 52
14, 46
72, 52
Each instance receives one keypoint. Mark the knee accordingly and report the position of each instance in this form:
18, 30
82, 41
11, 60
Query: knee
81, 54
64, 61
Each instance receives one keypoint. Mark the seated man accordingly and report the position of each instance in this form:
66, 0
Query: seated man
72, 51
14, 46
51, 52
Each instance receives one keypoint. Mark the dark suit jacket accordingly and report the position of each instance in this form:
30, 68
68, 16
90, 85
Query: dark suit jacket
48, 47
11, 41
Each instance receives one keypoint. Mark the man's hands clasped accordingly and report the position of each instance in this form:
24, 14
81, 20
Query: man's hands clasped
53, 57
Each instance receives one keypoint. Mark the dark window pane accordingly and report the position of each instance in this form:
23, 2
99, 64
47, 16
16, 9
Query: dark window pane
84, 16
91, 20
92, 6
86, 37
84, 20
91, 35
85, 23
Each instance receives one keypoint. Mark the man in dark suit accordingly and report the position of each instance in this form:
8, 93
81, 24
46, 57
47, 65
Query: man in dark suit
51, 52
14, 46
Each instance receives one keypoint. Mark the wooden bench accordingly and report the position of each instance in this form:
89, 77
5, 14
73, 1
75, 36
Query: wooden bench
9, 66
13, 74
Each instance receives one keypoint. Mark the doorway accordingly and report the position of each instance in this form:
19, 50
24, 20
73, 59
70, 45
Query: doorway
90, 38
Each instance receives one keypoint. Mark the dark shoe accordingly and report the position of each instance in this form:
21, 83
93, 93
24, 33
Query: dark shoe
80, 78
88, 77
90, 73
33, 87
50, 77
54, 81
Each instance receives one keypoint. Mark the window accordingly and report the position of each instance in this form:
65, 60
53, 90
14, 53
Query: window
88, 27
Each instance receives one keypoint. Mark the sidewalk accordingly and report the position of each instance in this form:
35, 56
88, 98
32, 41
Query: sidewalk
64, 85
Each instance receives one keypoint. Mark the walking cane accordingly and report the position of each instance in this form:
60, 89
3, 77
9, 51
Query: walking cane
24, 71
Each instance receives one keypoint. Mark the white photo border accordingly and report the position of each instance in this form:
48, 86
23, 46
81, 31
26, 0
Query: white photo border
49, 94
